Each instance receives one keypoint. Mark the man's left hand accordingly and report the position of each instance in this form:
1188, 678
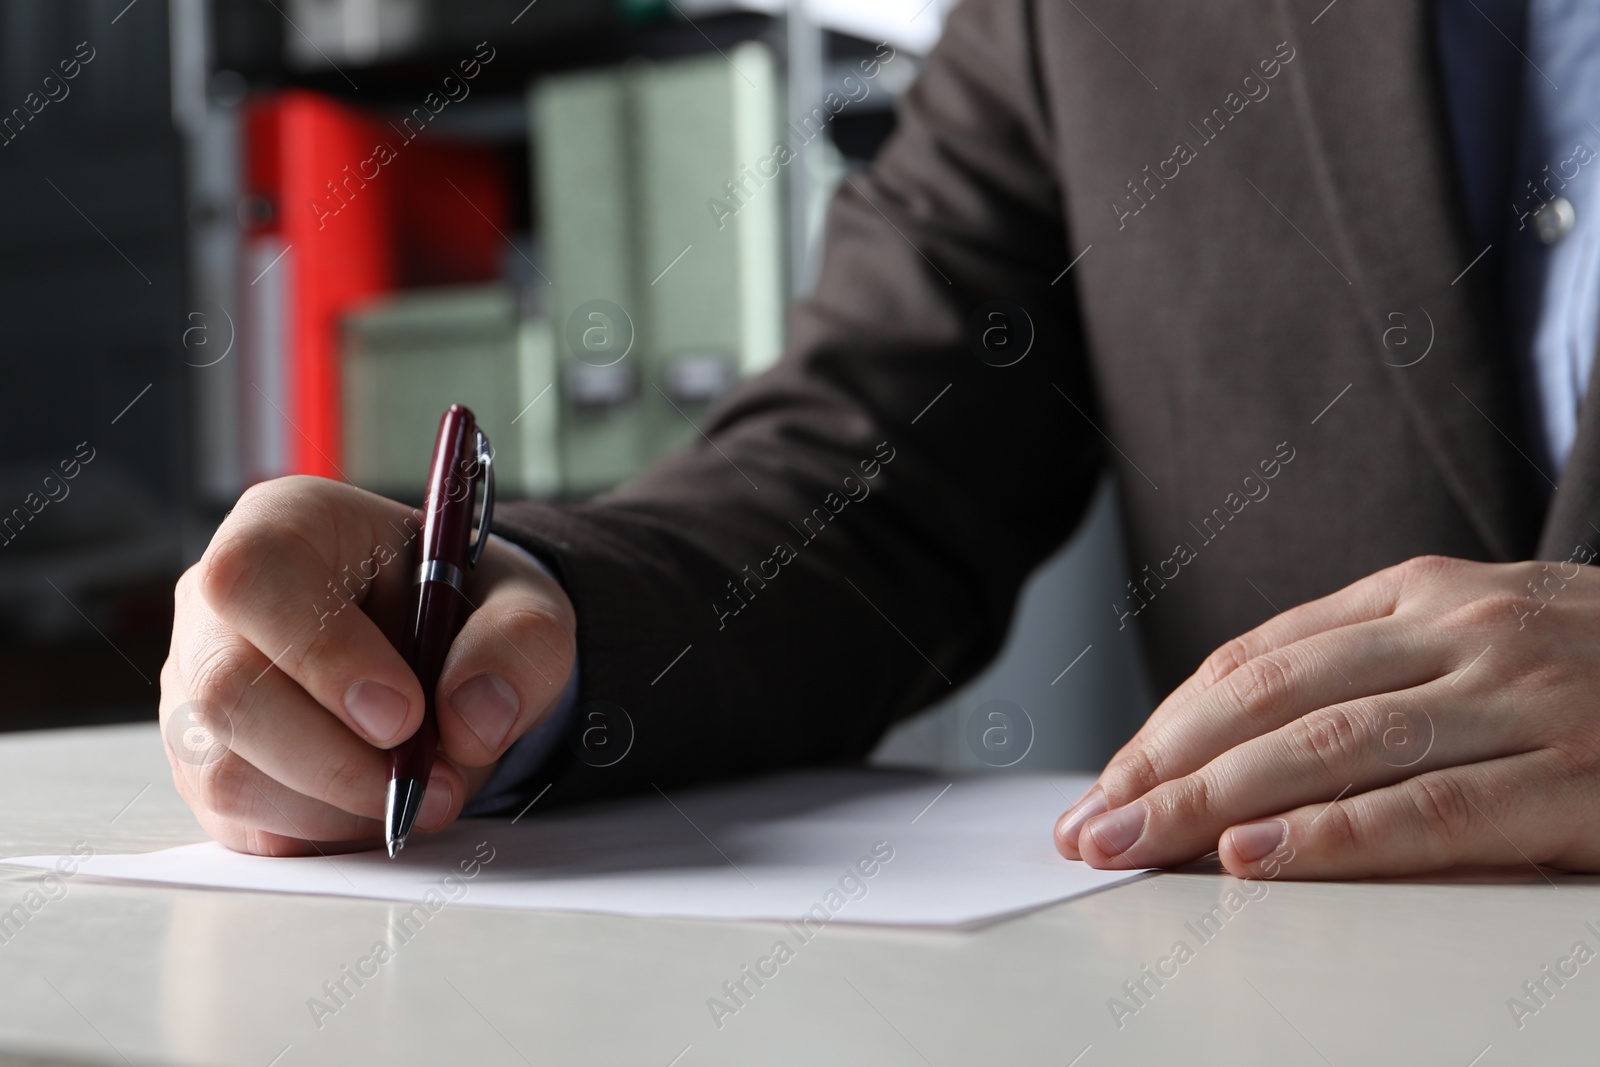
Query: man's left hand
1438, 713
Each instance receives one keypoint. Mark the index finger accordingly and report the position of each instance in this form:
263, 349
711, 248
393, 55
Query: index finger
289, 572
1143, 763
1366, 600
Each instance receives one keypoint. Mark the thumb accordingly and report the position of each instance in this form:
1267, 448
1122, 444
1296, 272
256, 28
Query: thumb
509, 666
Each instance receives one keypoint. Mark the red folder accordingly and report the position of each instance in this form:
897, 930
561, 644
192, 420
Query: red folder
341, 206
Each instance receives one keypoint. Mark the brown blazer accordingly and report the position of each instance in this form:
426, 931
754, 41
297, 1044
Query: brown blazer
1257, 301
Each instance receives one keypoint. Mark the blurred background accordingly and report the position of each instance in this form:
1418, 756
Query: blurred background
247, 238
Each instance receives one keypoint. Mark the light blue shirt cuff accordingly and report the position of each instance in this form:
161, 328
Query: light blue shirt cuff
509, 785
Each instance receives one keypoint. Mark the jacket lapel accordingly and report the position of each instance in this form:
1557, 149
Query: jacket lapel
1379, 139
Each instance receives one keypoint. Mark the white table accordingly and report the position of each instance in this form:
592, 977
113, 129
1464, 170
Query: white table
1412, 972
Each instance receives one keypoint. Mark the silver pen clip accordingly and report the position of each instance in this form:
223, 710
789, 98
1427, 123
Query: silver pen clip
486, 466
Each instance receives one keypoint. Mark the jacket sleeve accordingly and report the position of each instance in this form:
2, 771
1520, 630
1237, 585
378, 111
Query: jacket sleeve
846, 541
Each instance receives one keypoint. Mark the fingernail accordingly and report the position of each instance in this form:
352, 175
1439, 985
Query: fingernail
436, 800
1088, 806
489, 706
379, 711
1114, 834
1257, 840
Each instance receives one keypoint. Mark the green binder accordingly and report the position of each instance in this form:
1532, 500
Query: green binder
408, 357
585, 166
662, 207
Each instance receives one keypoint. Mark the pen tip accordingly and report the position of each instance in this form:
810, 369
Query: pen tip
405, 800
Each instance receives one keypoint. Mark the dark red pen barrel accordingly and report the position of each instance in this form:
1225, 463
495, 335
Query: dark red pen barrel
439, 614
439, 609
452, 478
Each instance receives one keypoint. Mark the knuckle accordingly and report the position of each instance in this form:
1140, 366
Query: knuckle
1543, 580
1542, 679
187, 615
1572, 769
168, 678
186, 586
233, 835
1228, 658
530, 624
347, 782
270, 520
1340, 830
535, 630
1441, 804
219, 675
1492, 609
259, 842
250, 841
1193, 799
268, 497
1131, 774
1528, 571
232, 564
1328, 737
312, 654
1574, 742
1258, 685
254, 496
1420, 568
222, 785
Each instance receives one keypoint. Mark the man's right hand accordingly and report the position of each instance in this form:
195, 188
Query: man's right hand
284, 687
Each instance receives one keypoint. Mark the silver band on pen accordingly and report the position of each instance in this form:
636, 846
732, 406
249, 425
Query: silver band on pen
439, 570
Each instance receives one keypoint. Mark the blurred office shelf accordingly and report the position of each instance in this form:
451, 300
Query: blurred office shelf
122, 285
548, 36
384, 57
913, 25
323, 43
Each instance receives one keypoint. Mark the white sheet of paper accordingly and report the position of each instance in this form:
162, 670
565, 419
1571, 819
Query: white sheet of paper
941, 852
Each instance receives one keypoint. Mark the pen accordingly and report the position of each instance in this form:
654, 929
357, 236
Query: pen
461, 462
